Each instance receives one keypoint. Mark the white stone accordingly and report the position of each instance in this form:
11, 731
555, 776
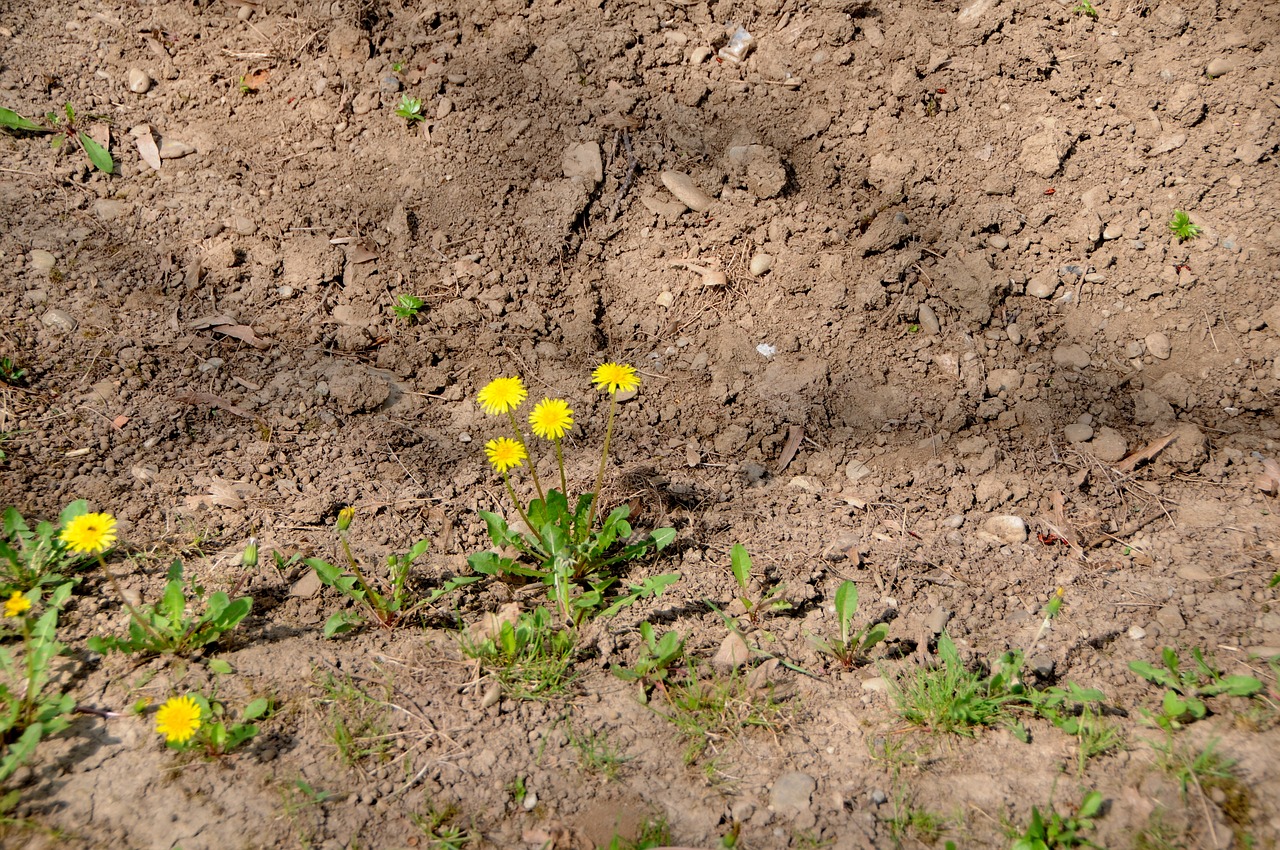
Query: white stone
1006, 528
1158, 345
686, 191
139, 81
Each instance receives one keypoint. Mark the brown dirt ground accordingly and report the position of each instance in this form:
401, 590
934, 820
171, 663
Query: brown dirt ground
962, 210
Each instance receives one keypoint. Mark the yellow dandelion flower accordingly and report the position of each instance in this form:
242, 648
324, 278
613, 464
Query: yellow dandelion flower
501, 395
615, 377
505, 453
90, 533
16, 604
178, 719
551, 418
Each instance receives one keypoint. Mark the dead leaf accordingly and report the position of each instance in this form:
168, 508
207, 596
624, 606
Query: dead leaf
362, 252
255, 80
490, 625
228, 494
1144, 454
733, 652
759, 679
795, 433
211, 400
146, 143
1269, 480
228, 326
101, 133
244, 333
120, 421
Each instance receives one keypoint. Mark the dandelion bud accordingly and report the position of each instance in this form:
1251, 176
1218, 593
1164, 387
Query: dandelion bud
249, 559
345, 516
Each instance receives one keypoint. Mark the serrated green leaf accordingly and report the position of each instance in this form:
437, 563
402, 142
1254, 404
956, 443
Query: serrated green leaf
258, 708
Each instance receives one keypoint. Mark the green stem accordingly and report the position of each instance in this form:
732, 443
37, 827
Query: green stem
604, 459
133, 612
376, 601
506, 479
533, 466
564, 488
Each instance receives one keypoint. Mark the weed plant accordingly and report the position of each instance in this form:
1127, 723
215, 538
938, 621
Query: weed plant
65, 127
384, 600
561, 545
531, 657
31, 709
1187, 688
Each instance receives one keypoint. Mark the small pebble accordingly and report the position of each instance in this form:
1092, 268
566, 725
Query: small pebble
1109, 445
443, 108
1015, 334
1219, 66
42, 261
1006, 528
1042, 285
997, 241
686, 191
760, 264
59, 319
928, 320
139, 81
1078, 433
1158, 346
1137, 633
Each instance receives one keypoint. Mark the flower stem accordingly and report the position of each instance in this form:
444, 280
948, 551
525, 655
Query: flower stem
506, 479
604, 459
564, 488
533, 466
133, 612
376, 602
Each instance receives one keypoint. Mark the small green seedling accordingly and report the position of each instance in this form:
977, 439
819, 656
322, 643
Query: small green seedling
410, 109
1057, 831
64, 127
407, 307
1186, 689
1085, 8
852, 647
1182, 227
531, 657
770, 599
657, 658
385, 600
11, 373
166, 626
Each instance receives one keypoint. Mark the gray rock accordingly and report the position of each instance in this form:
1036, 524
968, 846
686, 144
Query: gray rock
791, 793
878, 797
42, 261
1042, 285
1015, 334
1109, 445
1006, 528
1158, 345
1078, 433
1071, 357
928, 320
58, 320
